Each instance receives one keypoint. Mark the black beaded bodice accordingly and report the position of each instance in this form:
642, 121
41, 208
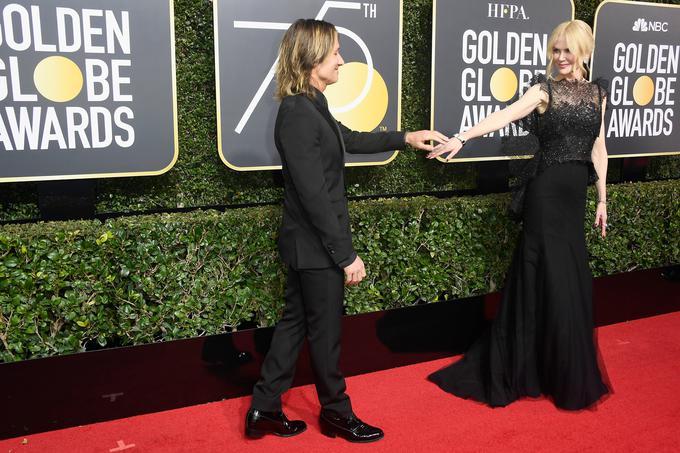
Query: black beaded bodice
564, 132
570, 124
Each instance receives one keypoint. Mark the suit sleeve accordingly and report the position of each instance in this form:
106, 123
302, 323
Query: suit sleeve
371, 142
299, 137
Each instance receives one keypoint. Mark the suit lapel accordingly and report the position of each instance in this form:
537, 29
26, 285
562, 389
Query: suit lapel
323, 109
337, 130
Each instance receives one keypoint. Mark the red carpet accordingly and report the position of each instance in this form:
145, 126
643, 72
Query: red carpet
642, 415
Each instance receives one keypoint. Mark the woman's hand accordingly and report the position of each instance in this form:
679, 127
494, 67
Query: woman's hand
452, 146
601, 217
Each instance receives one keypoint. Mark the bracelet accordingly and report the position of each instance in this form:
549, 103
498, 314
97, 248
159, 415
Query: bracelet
460, 139
602, 201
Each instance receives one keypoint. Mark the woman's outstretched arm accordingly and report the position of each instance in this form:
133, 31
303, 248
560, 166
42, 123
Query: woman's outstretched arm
531, 100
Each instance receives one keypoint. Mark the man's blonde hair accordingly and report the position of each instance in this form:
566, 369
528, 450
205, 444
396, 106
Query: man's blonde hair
579, 39
304, 45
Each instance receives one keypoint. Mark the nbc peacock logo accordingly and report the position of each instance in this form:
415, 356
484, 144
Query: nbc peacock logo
640, 25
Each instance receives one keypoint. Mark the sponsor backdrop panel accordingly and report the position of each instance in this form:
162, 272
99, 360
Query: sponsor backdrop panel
87, 89
200, 179
483, 55
637, 49
247, 35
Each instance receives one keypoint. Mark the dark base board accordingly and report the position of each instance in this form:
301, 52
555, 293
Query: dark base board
58, 392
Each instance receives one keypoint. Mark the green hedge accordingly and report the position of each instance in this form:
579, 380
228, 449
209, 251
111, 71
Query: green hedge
200, 179
70, 286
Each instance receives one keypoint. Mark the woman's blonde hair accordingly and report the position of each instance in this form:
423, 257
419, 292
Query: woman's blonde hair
579, 39
304, 45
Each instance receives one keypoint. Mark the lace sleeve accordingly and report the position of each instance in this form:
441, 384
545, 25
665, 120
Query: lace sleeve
531, 122
542, 80
602, 85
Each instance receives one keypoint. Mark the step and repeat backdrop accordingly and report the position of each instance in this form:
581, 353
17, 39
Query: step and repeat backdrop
87, 87
483, 56
637, 49
485, 53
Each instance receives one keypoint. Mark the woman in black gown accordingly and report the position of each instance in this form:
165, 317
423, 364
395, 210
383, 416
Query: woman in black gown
541, 341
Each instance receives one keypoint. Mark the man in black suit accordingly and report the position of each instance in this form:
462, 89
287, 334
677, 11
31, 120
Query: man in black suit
315, 239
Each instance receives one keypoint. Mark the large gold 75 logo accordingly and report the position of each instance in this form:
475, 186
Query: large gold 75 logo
340, 106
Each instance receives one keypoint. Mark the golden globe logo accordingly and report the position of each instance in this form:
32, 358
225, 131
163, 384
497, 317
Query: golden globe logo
69, 102
644, 90
484, 94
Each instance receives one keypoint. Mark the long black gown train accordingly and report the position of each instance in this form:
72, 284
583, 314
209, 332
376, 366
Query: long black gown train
541, 341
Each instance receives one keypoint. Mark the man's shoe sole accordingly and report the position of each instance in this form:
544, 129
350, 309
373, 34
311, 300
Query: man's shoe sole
258, 434
329, 432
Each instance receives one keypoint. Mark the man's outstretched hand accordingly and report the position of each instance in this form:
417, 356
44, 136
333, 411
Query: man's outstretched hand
420, 139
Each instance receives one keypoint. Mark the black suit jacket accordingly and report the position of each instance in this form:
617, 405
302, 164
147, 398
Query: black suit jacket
315, 232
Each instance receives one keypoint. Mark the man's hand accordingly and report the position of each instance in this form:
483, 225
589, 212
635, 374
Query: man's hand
355, 272
419, 139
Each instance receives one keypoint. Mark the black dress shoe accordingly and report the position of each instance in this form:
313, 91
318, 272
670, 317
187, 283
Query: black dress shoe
259, 423
349, 428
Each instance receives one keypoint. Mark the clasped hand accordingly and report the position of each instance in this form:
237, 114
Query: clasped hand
420, 139
450, 146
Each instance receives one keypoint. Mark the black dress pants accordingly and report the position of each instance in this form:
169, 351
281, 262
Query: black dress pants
314, 301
